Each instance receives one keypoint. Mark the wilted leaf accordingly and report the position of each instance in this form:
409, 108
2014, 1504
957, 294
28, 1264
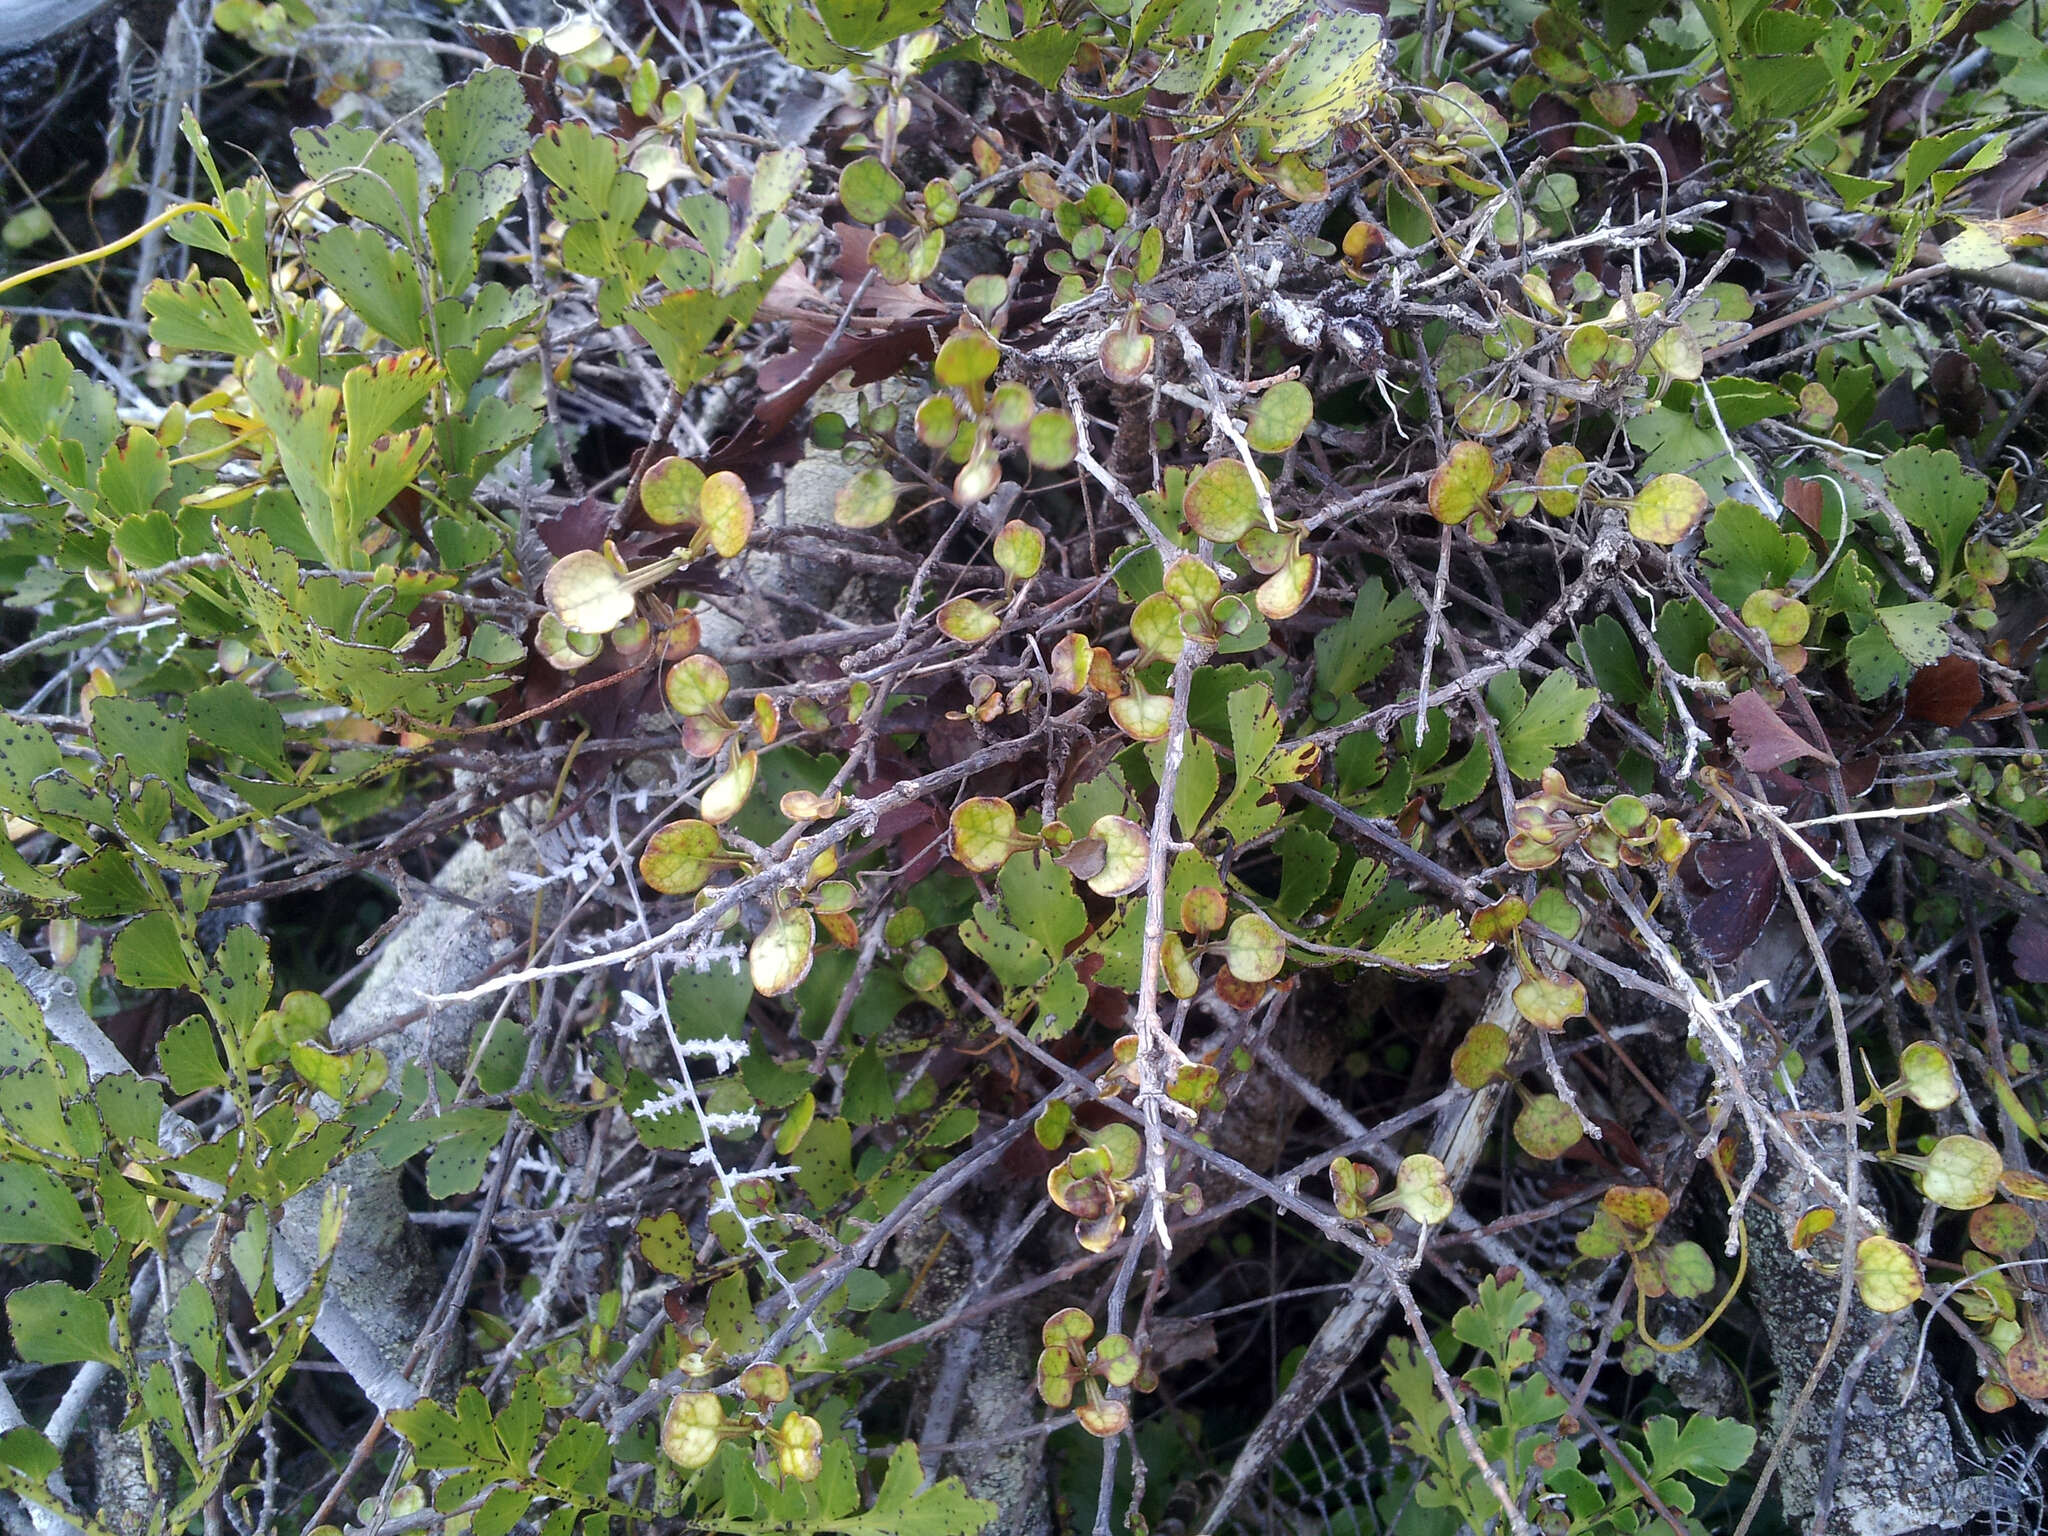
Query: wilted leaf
588, 593
1126, 851
1763, 739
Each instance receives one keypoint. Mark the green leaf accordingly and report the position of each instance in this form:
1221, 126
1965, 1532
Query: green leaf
1335, 78
1307, 860
1937, 496
1610, 655
869, 1095
152, 745
483, 120
1422, 940
27, 752
231, 719
316, 624
131, 1107
148, 953
1039, 897
870, 190
189, 1059
1042, 54
192, 1323
1061, 1002
35, 1207
1280, 417
771, 1085
865, 25
55, 1325
710, 1003
388, 195
441, 1440
944, 1509
464, 216
195, 315
1355, 650
1918, 631
456, 1165
374, 280
1017, 959
1554, 717
31, 1104
665, 1243
26, 1451
683, 326
1705, 1447
1745, 551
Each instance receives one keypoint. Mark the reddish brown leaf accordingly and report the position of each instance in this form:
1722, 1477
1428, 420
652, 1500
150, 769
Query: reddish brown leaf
535, 66
2029, 949
1735, 889
1946, 693
1805, 499
1765, 741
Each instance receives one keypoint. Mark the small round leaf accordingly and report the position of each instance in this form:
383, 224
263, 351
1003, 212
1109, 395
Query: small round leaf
870, 190
1887, 1274
680, 857
984, 833
1928, 1075
1961, 1173
1462, 482
727, 511
1019, 550
967, 621
669, 491
1220, 503
1546, 1127
588, 593
780, 956
1051, 441
1281, 416
1667, 509
696, 685
1482, 1056
2002, 1229
1255, 950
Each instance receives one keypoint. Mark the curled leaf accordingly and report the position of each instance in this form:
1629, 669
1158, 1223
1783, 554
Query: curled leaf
587, 592
984, 832
1126, 853
780, 956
